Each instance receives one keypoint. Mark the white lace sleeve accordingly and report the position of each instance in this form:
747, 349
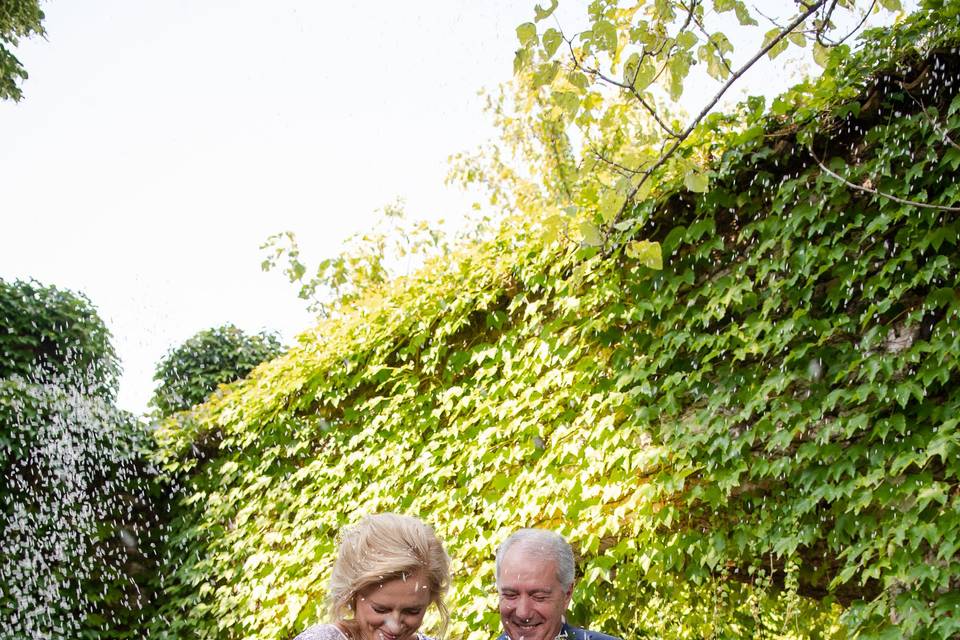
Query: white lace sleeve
321, 632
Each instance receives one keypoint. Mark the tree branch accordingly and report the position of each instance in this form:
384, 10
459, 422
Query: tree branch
822, 39
912, 203
716, 98
933, 123
668, 130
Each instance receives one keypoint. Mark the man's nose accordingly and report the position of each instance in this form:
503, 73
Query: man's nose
524, 608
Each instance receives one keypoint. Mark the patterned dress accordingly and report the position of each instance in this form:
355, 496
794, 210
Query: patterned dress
332, 632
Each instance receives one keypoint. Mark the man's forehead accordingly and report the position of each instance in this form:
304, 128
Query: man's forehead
525, 565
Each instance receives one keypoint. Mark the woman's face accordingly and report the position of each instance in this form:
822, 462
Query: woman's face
393, 610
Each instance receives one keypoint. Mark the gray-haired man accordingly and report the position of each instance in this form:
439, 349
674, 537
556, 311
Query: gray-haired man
535, 574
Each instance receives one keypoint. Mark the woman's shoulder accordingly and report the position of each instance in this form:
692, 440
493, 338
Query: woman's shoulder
321, 632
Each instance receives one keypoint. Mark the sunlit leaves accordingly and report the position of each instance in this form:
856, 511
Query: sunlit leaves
604, 36
647, 253
781, 43
545, 74
527, 34
677, 69
821, 54
696, 181
544, 13
552, 39
610, 204
591, 233
712, 421
638, 72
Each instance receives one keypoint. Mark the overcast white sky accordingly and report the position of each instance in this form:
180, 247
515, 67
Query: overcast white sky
160, 143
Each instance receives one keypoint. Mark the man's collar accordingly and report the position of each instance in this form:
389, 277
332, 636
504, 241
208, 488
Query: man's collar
566, 633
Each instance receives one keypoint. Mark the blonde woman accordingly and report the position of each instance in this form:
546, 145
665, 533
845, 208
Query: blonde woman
389, 570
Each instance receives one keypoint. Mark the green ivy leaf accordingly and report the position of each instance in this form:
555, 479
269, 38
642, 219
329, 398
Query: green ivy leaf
610, 204
545, 73
696, 181
686, 39
639, 72
649, 254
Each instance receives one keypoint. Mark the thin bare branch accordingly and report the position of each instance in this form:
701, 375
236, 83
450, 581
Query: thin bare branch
578, 64
710, 41
858, 187
623, 170
822, 39
933, 123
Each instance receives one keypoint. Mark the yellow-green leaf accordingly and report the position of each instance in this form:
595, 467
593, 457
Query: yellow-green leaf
605, 35
686, 39
778, 48
542, 13
696, 181
821, 54
545, 74
591, 234
610, 204
527, 34
551, 42
648, 253
552, 227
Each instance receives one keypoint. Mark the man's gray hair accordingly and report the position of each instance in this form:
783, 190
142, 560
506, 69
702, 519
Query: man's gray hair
544, 544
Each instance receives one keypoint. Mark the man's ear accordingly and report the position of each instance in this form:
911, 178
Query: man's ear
568, 595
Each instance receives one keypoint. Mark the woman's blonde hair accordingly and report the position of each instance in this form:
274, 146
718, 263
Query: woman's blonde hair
384, 547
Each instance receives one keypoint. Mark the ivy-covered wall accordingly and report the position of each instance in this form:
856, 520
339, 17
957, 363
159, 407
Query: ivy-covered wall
760, 438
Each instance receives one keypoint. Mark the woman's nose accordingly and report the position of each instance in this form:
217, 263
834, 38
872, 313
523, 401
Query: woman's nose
392, 623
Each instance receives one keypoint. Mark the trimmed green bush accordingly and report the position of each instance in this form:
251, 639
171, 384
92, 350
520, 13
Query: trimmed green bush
189, 373
55, 333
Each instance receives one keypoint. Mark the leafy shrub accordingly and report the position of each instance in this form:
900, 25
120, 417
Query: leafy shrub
189, 373
55, 333
78, 503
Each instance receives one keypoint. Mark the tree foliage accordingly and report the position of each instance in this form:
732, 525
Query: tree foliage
393, 248
593, 124
77, 502
189, 373
18, 19
57, 334
758, 439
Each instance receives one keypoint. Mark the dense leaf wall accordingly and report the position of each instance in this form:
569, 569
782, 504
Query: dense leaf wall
760, 438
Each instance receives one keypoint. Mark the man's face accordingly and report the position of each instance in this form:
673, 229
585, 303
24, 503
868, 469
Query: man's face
532, 600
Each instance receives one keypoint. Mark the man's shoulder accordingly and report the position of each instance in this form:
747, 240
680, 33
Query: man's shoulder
575, 633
